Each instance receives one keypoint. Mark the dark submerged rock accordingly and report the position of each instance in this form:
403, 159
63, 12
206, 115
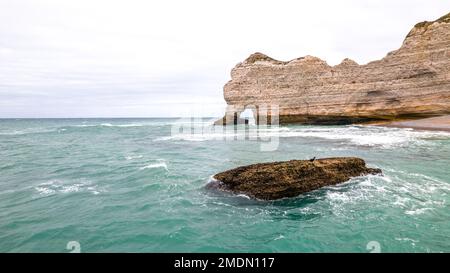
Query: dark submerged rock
276, 180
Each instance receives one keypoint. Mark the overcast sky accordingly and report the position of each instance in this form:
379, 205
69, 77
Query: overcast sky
128, 58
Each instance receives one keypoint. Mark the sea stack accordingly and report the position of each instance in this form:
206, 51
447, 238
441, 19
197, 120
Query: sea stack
268, 181
411, 82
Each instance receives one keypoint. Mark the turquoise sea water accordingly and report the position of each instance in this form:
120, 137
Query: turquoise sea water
133, 185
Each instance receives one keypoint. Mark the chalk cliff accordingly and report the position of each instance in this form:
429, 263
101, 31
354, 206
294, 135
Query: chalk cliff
411, 82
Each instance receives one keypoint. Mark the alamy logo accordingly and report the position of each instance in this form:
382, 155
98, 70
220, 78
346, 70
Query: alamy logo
74, 247
263, 126
373, 247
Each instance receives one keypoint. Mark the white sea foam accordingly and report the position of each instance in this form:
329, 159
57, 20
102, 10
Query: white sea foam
382, 137
160, 164
27, 131
58, 186
407, 239
122, 125
279, 237
188, 122
366, 136
44, 190
417, 211
12, 133
401, 201
110, 125
412, 193
244, 196
132, 157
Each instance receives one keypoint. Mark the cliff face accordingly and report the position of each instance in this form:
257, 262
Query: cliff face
413, 81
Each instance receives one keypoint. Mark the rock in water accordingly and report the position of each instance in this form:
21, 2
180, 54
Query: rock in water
275, 180
411, 82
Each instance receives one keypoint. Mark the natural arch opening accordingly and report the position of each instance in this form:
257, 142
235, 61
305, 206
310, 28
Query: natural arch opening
248, 114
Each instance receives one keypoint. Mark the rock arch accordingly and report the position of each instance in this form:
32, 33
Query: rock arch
262, 114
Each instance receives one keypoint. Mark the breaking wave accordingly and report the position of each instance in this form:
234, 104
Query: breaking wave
414, 194
160, 164
355, 135
58, 186
110, 125
27, 132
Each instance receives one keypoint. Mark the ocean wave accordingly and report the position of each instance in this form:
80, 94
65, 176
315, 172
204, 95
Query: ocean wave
132, 157
27, 131
198, 137
368, 135
383, 137
147, 123
243, 196
57, 186
160, 164
188, 122
419, 184
356, 190
109, 125
406, 239
417, 211
412, 193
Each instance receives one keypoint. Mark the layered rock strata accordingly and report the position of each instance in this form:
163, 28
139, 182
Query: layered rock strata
276, 180
411, 82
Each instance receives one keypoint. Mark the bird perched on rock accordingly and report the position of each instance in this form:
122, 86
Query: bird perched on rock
312, 159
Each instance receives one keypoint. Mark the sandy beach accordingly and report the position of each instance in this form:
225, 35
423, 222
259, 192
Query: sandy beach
441, 123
